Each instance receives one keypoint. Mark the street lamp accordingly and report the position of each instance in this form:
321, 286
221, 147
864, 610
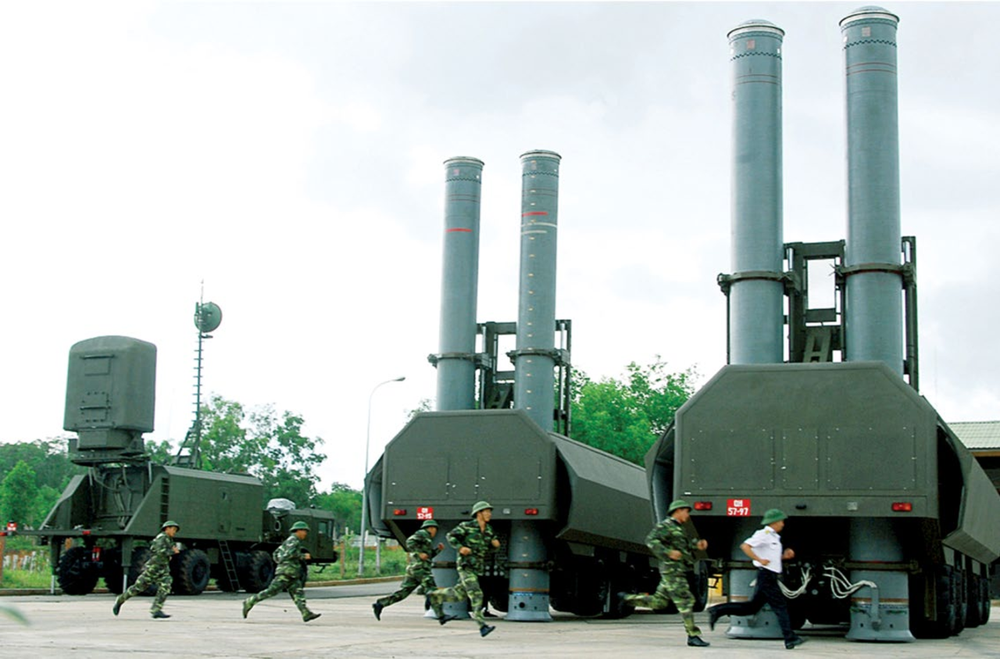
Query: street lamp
364, 490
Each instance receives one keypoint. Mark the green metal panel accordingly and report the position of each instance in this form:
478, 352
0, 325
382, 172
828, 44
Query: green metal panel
450, 460
609, 499
818, 436
978, 534
110, 384
211, 505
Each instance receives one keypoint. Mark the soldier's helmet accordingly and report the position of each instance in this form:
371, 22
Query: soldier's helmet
170, 522
299, 526
480, 506
677, 504
773, 515
429, 523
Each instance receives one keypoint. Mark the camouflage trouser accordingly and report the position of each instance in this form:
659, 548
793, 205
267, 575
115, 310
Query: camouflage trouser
159, 577
288, 582
466, 588
418, 575
673, 586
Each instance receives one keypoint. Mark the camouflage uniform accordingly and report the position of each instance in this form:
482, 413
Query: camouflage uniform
470, 568
155, 572
665, 537
287, 576
418, 572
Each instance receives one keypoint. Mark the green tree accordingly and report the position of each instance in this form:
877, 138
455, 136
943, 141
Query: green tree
47, 457
264, 444
18, 493
345, 504
624, 417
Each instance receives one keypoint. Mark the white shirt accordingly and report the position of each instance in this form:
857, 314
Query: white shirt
766, 544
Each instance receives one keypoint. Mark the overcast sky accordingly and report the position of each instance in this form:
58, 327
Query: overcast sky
290, 154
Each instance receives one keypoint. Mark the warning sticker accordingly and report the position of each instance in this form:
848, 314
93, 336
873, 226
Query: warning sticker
738, 508
427, 512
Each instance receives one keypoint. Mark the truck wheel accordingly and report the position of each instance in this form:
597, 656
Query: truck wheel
945, 609
958, 598
76, 573
190, 570
984, 601
259, 572
140, 556
698, 581
111, 569
973, 608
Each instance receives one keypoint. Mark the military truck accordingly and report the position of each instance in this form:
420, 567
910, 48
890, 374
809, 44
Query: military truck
102, 522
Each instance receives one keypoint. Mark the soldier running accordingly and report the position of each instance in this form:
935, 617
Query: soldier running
472, 539
289, 573
672, 546
764, 548
155, 572
421, 547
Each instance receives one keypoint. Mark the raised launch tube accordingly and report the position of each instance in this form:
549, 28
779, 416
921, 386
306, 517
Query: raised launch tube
756, 297
873, 314
456, 367
534, 362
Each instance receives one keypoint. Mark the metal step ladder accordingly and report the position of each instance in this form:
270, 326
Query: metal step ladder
229, 564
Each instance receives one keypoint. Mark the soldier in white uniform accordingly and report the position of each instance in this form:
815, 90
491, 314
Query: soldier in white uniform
764, 548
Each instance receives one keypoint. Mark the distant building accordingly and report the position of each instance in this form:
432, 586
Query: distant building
983, 439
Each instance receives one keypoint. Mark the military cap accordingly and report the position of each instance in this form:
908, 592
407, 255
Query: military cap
773, 515
481, 505
170, 522
677, 504
299, 526
429, 523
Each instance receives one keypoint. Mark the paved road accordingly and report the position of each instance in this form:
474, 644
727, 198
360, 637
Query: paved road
210, 626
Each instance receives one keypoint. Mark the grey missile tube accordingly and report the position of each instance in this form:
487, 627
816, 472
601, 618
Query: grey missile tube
873, 314
456, 368
756, 298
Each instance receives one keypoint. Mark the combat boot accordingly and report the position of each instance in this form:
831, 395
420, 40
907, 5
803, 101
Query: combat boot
377, 610
696, 642
160, 614
118, 605
795, 642
442, 619
485, 630
310, 616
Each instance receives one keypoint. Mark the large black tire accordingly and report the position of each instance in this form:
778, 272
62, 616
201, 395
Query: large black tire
958, 595
140, 556
258, 573
190, 570
76, 573
945, 609
985, 603
111, 569
698, 581
974, 608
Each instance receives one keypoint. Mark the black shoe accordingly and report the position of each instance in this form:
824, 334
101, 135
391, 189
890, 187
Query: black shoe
377, 610
487, 614
713, 617
795, 642
118, 606
310, 616
442, 619
160, 614
696, 642
486, 629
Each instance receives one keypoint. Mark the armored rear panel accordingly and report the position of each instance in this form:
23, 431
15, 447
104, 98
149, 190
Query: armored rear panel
446, 461
449, 460
820, 439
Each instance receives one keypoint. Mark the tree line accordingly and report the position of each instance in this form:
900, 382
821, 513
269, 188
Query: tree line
622, 416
